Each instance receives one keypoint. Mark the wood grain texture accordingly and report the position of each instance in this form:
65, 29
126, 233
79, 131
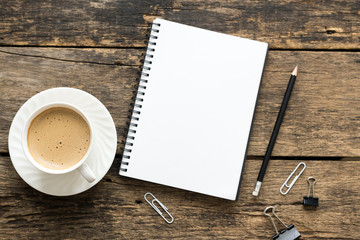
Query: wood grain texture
321, 125
284, 24
115, 208
322, 119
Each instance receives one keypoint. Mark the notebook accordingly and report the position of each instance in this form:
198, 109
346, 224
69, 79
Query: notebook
194, 108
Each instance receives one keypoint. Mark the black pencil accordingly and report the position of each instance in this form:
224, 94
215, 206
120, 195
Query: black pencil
275, 131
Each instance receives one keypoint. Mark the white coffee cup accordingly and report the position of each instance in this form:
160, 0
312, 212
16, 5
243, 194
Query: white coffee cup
81, 165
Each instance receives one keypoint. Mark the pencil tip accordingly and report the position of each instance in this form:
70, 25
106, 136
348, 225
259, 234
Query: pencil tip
295, 71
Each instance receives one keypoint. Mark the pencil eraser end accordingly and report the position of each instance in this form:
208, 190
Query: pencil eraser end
257, 189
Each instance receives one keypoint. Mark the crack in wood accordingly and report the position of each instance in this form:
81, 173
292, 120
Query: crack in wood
116, 63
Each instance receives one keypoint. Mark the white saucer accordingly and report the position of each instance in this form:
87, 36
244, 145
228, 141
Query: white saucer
100, 159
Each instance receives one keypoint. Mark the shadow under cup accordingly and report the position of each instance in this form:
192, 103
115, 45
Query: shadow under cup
58, 138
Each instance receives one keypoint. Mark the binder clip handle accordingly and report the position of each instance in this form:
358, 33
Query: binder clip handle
311, 185
272, 221
288, 233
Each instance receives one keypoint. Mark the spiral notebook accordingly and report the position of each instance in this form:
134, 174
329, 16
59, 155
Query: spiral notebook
191, 123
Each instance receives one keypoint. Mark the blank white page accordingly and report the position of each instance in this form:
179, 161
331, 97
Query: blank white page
195, 118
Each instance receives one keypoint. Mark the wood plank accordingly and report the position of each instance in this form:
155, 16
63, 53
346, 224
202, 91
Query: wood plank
115, 208
322, 118
284, 24
112, 78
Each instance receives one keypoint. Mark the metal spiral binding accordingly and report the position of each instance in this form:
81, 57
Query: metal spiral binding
135, 117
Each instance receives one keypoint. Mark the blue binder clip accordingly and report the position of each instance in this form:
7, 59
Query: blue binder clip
288, 233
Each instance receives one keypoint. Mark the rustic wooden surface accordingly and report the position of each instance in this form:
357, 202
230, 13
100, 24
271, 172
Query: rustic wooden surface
318, 120
284, 24
115, 207
97, 46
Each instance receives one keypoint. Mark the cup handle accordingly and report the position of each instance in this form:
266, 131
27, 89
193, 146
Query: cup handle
86, 172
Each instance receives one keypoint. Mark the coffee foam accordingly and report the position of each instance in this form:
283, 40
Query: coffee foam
58, 138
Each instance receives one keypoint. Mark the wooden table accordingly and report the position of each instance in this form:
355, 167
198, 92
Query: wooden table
98, 46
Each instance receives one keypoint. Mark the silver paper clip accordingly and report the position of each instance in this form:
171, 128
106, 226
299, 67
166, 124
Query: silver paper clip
293, 181
152, 204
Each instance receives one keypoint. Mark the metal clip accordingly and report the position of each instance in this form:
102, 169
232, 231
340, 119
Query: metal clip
293, 181
311, 201
313, 186
288, 233
152, 204
272, 221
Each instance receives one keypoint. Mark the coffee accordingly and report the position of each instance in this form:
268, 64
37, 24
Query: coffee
58, 138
